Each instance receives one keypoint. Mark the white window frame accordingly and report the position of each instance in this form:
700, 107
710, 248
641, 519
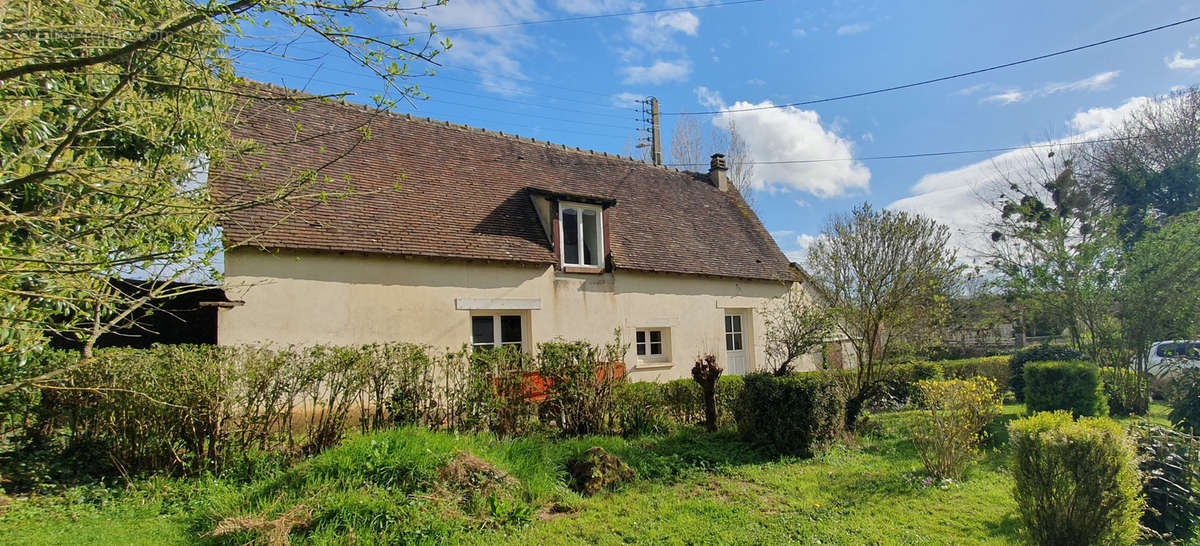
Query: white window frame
664, 343
496, 338
579, 208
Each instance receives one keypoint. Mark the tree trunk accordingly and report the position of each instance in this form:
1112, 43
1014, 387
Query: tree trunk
706, 373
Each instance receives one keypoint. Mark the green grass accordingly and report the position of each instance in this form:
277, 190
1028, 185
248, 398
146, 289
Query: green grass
692, 487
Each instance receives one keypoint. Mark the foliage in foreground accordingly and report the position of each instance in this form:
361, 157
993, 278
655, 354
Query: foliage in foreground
691, 488
947, 433
1170, 468
1076, 482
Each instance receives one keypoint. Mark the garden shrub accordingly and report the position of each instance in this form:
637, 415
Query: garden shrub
947, 432
1170, 469
995, 368
641, 409
794, 414
1076, 482
1184, 396
1037, 353
1128, 393
684, 402
1072, 386
580, 394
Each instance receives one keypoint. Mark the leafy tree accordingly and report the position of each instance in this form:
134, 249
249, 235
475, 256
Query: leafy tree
1148, 171
795, 326
888, 276
111, 110
1054, 247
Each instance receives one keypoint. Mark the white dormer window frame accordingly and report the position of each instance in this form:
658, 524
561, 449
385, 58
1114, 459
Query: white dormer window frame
587, 231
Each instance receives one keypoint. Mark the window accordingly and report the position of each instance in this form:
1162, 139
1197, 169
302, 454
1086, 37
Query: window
489, 331
582, 235
652, 344
733, 332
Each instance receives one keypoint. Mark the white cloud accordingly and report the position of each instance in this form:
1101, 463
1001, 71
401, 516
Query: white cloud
1181, 63
780, 134
755, 81
709, 98
800, 203
960, 198
1095, 119
659, 72
681, 21
1007, 97
849, 30
496, 51
783, 234
1095, 82
799, 32
1193, 41
627, 100
868, 137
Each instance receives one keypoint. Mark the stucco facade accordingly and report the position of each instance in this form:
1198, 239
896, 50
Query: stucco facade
305, 298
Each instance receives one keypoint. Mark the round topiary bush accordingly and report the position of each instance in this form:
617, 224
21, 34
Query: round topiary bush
1037, 353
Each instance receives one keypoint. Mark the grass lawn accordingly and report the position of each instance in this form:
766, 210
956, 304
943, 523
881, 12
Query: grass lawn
692, 487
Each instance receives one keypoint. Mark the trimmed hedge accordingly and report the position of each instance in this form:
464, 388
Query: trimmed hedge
796, 414
995, 368
1038, 353
646, 407
1076, 482
1071, 386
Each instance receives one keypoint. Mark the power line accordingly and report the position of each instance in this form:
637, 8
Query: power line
506, 124
943, 78
919, 155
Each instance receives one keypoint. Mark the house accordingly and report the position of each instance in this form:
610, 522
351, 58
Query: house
428, 232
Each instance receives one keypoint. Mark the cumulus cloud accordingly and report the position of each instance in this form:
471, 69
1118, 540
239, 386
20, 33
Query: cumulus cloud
1096, 82
659, 72
961, 198
1179, 62
849, 30
782, 134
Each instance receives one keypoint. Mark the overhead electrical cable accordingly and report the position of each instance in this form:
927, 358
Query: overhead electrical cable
508, 112
942, 78
920, 154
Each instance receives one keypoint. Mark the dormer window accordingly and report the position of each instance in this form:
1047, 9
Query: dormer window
582, 235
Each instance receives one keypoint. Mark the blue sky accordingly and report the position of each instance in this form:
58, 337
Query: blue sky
573, 83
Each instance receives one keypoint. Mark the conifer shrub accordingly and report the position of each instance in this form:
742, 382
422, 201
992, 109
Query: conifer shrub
1071, 386
1037, 353
794, 414
1076, 482
948, 429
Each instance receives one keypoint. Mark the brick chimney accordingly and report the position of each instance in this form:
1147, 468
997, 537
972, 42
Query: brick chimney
718, 173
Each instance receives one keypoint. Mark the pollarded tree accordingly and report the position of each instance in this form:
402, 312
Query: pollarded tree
888, 276
109, 110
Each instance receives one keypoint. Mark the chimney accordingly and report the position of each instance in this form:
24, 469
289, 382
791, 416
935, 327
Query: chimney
718, 173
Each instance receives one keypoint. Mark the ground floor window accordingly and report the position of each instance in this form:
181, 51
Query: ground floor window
652, 344
490, 331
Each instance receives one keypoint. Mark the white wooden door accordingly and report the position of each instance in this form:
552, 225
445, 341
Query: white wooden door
735, 345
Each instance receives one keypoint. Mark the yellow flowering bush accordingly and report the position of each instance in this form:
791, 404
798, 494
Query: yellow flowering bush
947, 430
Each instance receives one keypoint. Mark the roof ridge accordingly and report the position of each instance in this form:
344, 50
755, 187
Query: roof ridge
408, 116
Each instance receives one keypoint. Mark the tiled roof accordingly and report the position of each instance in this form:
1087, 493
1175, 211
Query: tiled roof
431, 188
